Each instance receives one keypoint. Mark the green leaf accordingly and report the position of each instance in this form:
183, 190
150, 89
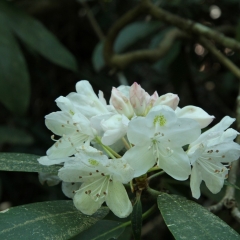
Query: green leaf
14, 78
188, 220
102, 230
97, 57
36, 36
127, 37
22, 162
164, 62
46, 220
136, 219
133, 33
14, 136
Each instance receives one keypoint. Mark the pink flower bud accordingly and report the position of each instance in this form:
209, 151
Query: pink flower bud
139, 99
121, 103
168, 99
151, 102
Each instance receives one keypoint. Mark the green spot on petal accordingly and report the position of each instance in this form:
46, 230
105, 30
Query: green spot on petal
71, 112
93, 162
160, 119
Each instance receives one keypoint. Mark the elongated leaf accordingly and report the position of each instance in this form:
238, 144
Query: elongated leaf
97, 57
188, 220
102, 230
164, 62
46, 220
14, 78
22, 162
14, 136
136, 219
133, 33
36, 36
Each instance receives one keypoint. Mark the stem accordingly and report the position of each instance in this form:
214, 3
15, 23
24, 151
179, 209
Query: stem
126, 143
112, 151
109, 150
153, 169
144, 216
131, 186
153, 192
156, 175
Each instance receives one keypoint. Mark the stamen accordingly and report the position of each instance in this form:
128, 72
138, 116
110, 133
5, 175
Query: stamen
52, 137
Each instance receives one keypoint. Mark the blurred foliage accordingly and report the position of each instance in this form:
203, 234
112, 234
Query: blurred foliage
47, 46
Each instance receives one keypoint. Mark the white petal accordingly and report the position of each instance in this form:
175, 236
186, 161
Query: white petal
49, 178
175, 164
195, 181
224, 152
183, 132
225, 137
141, 159
138, 133
218, 128
96, 122
115, 128
65, 105
48, 162
60, 123
118, 200
196, 113
68, 174
85, 203
67, 145
161, 117
195, 152
121, 170
85, 89
214, 181
70, 188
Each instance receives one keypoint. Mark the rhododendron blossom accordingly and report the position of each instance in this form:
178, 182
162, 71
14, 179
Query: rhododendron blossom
103, 147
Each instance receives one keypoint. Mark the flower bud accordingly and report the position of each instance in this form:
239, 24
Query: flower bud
168, 99
151, 102
121, 103
139, 99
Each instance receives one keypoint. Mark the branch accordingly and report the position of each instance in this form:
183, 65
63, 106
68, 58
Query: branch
190, 26
93, 21
221, 57
127, 18
121, 61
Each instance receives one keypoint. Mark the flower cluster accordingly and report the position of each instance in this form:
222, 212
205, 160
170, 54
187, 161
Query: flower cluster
150, 131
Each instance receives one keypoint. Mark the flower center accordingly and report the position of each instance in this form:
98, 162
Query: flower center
93, 162
159, 119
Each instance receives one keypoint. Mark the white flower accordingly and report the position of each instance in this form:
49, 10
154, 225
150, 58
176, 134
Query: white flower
86, 102
73, 127
207, 154
102, 180
114, 128
158, 138
196, 113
